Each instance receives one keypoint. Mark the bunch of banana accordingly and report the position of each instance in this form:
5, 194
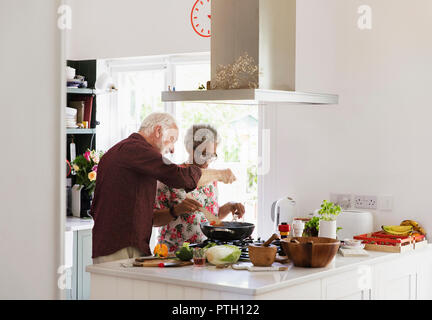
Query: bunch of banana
418, 229
398, 230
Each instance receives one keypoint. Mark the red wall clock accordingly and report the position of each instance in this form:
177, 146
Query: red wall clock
201, 17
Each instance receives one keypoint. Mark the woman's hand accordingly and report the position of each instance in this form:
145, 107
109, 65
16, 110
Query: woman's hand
187, 206
231, 207
238, 209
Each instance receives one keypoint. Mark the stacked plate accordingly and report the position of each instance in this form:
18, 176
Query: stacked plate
71, 117
352, 244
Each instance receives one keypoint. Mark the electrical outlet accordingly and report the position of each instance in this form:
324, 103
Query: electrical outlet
341, 199
365, 202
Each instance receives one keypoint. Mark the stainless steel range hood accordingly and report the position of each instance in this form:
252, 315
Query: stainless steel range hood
266, 31
249, 96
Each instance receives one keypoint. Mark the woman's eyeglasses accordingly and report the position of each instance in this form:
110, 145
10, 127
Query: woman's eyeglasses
209, 156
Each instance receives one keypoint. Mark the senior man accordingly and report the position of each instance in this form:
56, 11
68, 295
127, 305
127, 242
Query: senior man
125, 190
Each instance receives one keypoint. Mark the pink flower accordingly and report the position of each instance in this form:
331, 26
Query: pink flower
87, 156
95, 168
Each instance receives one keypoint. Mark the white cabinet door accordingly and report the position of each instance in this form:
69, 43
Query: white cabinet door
424, 275
351, 285
397, 280
310, 290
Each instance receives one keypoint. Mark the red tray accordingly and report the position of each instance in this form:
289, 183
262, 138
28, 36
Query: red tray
383, 234
382, 238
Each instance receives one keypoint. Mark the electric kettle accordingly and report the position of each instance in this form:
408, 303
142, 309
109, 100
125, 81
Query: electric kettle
283, 210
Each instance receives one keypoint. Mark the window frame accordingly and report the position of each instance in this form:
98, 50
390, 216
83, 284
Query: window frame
266, 118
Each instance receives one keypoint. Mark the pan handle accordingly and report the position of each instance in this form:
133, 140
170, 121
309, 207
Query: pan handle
222, 230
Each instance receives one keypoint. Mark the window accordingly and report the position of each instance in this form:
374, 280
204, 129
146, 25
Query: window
140, 86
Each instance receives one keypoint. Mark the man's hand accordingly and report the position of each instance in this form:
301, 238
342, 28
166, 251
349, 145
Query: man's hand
227, 176
187, 206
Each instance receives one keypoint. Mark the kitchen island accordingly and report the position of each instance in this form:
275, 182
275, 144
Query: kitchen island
379, 276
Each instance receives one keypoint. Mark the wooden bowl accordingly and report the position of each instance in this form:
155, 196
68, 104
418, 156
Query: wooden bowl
262, 256
310, 252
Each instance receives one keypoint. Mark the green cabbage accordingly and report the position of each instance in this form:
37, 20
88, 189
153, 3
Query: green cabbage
223, 254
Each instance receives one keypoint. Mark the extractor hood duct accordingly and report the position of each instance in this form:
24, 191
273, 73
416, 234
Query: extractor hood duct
265, 30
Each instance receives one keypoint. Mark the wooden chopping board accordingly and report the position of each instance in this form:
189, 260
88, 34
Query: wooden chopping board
156, 262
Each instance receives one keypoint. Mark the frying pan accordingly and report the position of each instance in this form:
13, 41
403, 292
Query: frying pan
229, 231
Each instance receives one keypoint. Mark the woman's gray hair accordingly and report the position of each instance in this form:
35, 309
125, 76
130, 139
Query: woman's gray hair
163, 119
198, 135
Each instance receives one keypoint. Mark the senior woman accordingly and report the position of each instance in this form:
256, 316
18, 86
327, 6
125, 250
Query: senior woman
201, 142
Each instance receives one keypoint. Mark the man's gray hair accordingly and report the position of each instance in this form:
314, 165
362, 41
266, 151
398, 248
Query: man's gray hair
163, 119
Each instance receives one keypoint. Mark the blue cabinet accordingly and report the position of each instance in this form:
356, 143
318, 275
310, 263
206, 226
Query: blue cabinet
84, 254
79, 279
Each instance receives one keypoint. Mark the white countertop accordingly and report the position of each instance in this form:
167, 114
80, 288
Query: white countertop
74, 224
239, 281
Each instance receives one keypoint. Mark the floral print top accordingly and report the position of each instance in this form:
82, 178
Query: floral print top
186, 228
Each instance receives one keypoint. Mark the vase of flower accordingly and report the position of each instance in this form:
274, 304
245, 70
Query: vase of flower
84, 167
86, 201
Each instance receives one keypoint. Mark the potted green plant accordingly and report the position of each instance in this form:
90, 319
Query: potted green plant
327, 219
311, 227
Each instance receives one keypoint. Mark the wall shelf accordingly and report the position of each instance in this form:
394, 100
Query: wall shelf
81, 90
80, 131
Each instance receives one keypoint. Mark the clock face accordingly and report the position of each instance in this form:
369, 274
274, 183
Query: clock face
200, 17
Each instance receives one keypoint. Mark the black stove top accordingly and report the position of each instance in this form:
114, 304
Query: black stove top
242, 244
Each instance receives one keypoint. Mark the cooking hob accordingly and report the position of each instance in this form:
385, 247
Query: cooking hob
241, 244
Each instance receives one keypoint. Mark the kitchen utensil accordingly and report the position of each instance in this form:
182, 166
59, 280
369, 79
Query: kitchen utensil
262, 256
283, 210
298, 227
353, 252
160, 262
146, 258
255, 268
229, 231
210, 217
352, 242
310, 252
270, 240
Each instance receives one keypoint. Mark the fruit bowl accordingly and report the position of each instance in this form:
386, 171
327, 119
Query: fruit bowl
310, 252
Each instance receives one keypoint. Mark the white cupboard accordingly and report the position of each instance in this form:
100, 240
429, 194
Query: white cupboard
405, 276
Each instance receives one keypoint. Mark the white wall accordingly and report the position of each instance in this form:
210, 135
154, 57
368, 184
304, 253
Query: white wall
131, 28
31, 210
378, 139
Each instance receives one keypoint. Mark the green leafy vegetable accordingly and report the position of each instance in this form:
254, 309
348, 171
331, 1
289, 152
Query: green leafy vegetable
184, 253
223, 254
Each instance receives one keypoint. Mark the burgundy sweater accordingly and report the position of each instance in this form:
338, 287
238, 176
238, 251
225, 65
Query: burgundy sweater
125, 192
